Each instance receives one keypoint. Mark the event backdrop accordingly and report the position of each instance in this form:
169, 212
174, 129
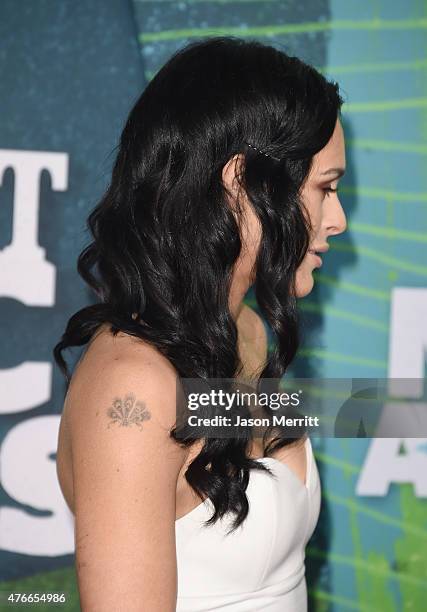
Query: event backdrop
70, 72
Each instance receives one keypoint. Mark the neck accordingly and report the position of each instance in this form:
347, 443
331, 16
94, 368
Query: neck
237, 295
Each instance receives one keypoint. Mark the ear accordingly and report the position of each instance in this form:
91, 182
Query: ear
230, 173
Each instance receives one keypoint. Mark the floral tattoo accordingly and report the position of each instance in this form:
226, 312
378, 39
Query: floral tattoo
128, 411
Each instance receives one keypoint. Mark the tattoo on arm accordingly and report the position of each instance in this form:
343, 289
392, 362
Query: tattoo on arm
127, 412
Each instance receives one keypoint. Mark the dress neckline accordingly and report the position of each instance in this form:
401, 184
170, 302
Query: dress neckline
305, 486
282, 464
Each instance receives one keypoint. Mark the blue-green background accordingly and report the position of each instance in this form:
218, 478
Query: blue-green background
70, 72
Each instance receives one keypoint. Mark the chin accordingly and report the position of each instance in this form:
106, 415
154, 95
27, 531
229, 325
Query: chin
305, 286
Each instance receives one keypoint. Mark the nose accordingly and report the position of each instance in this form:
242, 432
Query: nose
336, 223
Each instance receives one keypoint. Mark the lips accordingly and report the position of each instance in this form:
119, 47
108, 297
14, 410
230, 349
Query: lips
321, 249
315, 251
317, 258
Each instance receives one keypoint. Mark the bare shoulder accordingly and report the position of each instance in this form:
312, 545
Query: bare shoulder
120, 408
115, 369
122, 398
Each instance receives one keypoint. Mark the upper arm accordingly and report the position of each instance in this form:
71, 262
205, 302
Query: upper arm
125, 470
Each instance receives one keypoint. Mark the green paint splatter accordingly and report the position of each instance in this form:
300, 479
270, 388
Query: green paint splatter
411, 552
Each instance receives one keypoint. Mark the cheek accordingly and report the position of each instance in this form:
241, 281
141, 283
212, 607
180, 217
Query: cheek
313, 199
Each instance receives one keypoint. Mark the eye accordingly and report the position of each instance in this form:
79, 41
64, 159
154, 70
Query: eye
329, 190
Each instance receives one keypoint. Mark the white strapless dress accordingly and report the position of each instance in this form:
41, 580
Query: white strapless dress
261, 565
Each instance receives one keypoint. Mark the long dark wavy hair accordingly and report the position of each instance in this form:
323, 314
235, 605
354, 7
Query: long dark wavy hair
165, 239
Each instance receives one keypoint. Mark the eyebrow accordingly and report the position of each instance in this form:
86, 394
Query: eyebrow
337, 171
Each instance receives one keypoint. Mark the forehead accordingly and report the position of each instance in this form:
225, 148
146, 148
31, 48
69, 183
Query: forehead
333, 154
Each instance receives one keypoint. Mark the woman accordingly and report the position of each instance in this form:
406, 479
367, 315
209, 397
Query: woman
226, 177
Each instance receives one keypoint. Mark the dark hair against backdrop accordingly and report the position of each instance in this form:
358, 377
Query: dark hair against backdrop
70, 73
165, 239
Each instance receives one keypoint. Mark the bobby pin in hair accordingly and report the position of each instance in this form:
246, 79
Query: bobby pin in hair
262, 152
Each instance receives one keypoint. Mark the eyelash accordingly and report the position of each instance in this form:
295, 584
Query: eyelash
329, 190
